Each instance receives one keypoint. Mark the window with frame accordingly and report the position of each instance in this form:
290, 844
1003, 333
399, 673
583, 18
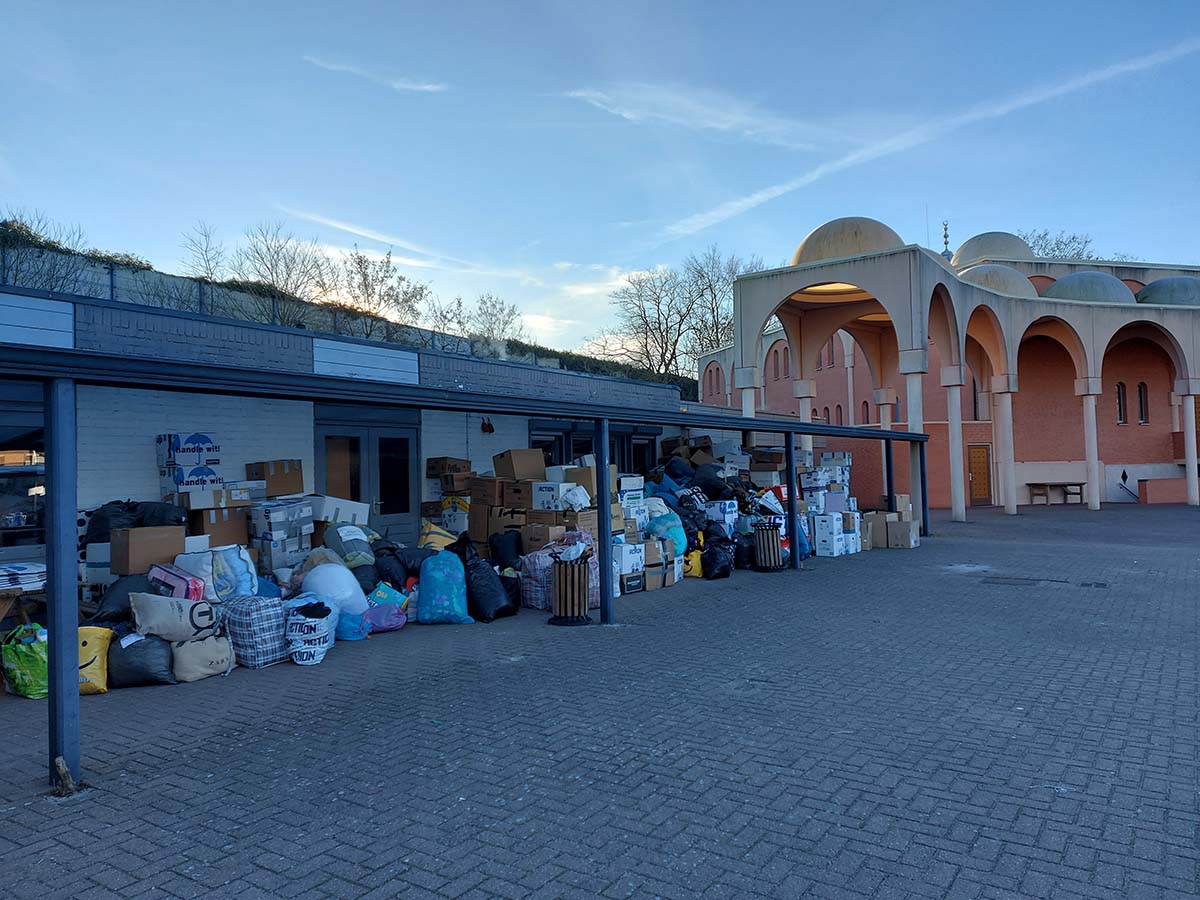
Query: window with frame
1143, 404
832, 357
775, 364
825, 415
1122, 404
787, 353
837, 413
866, 414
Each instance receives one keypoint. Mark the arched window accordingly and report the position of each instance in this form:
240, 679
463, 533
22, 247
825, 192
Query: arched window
826, 415
837, 412
1143, 404
816, 414
775, 364
787, 354
831, 356
896, 410
866, 419
1122, 406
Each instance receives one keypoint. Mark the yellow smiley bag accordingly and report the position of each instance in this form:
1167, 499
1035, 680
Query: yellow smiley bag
93, 659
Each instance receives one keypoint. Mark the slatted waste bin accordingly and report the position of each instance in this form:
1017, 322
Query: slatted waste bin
768, 548
571, 592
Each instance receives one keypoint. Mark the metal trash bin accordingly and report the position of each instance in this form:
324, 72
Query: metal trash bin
768, 548
571, 592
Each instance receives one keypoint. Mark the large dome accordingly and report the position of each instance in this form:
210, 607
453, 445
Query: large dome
1177, 290
1001, 279
1093, 287
845, 237
991, 245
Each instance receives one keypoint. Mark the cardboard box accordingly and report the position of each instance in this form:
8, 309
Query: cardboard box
276, 520
903, 535
654, 553
518, 494
739, 460
585, 476
535, 537
257, 489
97, 565
638, 512
633, 583
702, 458
431, 509
549, 494
456, 521
185, 479
135, 550
631, 558
197, 543
655, 577
456, 482
839, 458
502, 518
582, 520
335, 509
634, 495
228, 497
631, 483
283, 554
766, 456
520, 465
835, 501
865, 536
701, 441
487, 490
478, 518
436, 466
546, 517
187, 449
283, 476
557, 473
724, 512
671, 444
223, 526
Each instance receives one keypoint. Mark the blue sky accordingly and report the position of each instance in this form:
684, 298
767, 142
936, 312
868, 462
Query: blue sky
541, 150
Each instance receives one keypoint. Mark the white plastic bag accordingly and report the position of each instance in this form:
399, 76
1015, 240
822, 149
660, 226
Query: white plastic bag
226, 571
337, 584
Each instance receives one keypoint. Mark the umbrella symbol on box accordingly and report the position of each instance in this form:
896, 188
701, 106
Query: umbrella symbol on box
177, 475
198, 438
202, 472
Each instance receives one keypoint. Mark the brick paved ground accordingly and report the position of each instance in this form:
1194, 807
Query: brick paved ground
898, 724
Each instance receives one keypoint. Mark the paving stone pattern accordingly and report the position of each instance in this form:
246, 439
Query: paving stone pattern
967, 720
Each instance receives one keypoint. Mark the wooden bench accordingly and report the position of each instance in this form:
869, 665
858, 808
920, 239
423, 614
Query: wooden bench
1042, 489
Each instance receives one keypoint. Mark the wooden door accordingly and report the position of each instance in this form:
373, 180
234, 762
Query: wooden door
979, 473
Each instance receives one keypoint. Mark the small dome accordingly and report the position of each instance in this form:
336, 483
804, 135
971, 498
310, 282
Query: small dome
991, 245
1001, 279
1093, 287
1177, 290
850, 236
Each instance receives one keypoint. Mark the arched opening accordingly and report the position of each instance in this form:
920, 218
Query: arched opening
1133, 284
775, 364
1047, 414
787, 356
1141, 363
713, 384
866, 413
777, 394
837, 414
825, 415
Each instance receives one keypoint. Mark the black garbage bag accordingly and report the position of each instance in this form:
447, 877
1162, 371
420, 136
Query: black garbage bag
716, 560
486, 597
412, 557
115, 514
390, 569
715, 533
367, 577
384, 546
679, 471
134, 660
743, 552
151, 514
512, 587
114, 605
709, 480
505, 547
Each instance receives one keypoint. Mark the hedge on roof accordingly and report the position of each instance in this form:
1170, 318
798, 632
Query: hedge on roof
15, 233
577, 362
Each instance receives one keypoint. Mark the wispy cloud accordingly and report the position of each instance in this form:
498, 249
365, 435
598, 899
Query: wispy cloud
706, 110
931, 131
404, 85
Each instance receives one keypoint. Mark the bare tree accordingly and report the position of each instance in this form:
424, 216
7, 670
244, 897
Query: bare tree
384, 298
710, 276
37, 252
1067, 245
206, 257
496, 320
283, 273
655, 313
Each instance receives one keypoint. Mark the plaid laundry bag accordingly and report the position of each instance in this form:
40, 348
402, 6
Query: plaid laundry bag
257, 629
537, 573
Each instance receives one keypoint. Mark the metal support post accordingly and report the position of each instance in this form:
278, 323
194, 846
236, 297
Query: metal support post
924, 491
604, 551
62, 601
793, 516
888, 473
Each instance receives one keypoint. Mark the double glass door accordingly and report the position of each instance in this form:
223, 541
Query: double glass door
377, 465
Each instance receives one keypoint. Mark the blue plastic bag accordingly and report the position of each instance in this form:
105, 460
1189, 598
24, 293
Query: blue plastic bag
669, 526
443, 587
351, 627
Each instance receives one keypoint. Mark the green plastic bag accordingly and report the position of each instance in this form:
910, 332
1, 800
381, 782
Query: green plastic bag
26, 666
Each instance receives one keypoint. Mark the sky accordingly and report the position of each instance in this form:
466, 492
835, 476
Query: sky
543, 150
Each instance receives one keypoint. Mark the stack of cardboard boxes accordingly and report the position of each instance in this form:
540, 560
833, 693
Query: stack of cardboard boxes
897, 530
522, 494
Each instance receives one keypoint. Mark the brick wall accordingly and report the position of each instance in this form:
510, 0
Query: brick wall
117, 426
133, 332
